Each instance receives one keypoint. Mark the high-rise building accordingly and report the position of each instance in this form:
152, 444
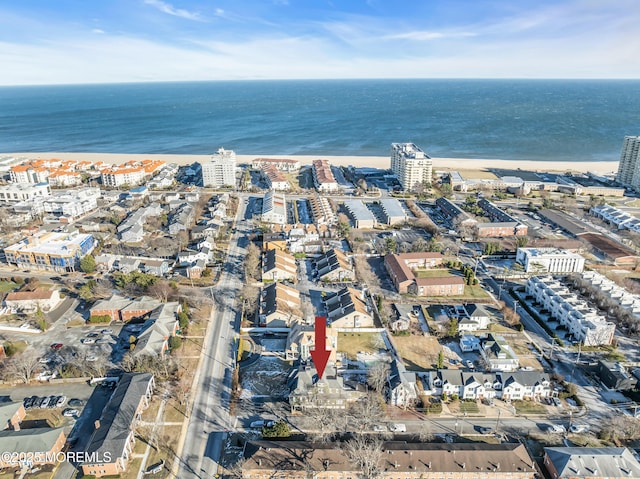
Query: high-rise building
221, 170
411, 165
629, 168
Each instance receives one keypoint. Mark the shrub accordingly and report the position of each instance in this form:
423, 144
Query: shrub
100, 318
279, 429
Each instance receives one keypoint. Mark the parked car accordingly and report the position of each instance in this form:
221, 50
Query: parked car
261, 423
43, 403
378, 428
53, 401
69, 412
75, 402
57, 346
469, 364
106, 331
87, 341
557, 428
61, 400
485, 430
398, 427
578, 428
92, 335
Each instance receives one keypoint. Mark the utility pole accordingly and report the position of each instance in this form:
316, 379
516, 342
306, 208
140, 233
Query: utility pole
498, 421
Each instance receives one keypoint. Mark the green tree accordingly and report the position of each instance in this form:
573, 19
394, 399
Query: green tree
547, 203
279, 429
343, 229
453, 327
521, 241
440, 359
390, 245
183, 320
88, 264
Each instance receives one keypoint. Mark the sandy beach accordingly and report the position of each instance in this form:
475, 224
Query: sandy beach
601, 167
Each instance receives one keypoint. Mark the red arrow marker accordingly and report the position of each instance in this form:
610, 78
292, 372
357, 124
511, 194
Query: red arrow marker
320, 354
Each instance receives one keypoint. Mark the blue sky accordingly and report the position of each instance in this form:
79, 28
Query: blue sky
96, 41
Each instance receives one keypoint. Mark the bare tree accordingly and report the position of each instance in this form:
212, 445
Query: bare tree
368, 411
377, 376
252, 262
326, 422
23, 367
365, 274
365, 453
424, 432
161, 290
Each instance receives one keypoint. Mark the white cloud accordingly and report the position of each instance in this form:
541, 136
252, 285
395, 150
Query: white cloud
171, 10
97, 31
427, 35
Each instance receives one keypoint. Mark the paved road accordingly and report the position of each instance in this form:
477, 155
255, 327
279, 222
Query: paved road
210, 419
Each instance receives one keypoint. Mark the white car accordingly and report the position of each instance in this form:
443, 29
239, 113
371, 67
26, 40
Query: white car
398, 427
469, 364
378, 428
578, 428
557, 429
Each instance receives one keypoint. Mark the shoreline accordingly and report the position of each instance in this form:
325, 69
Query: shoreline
382, 162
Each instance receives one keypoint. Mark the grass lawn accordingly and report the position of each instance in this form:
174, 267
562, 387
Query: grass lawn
471, 292
432, 273
173, 412
418, 352
353, 343
7, 286
151, 412
132, 469
470, 407
529, 407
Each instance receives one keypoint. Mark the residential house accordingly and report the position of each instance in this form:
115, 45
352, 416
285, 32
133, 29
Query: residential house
469, 343
615, 376
278, 266
19, 447
591, 463
333, 266
161, 325
11, 415
409, 460
301, 340
401, 321
115, 430
128, 264
476, 318
474, 385
308, 391
347, 308
498, 355
195, 270
401, 385
156, 267
30, 301
119, 308
279, 306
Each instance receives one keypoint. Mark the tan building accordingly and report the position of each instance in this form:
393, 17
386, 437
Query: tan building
11, 415
278, 266
333, 266
396, 460
347, 309
591, 463
280, 306
400, 267
29, 301
301, 340
113, 437
438, 286
19, 447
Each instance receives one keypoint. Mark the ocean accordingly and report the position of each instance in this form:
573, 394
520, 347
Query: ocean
558, 120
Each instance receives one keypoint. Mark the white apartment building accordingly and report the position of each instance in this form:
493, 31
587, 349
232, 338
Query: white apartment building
274, 178
629, 167
582, 321
549, 260
614, 216
220, 170
411, 165
122, 176
70, 206
323, 177
15, 193
630, 302
274, 208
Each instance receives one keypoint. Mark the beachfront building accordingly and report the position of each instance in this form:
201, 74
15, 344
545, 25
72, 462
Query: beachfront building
629, 167
411, 165
323, 178
55, 251
274, 208
275, 179
417, 460
282, 164
361, 215
15, 193
582, 322
220, 170
549, 260
392, 211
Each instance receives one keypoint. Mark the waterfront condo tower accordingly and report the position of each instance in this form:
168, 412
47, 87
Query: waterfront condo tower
220, 170
411, 166
629, 168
